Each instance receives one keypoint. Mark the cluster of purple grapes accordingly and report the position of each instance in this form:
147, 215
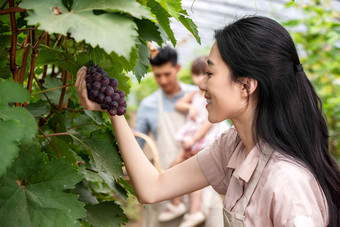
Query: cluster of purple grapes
103, 90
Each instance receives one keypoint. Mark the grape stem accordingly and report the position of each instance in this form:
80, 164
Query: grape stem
49, 141
52, 89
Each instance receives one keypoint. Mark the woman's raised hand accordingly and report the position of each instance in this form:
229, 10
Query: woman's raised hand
82, 91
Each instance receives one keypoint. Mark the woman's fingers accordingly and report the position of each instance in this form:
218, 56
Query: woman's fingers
80, 72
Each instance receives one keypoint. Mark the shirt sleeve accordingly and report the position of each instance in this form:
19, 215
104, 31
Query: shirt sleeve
298, 199
213, 160
142, 124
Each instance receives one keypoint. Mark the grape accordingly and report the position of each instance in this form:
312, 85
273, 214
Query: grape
99, 69
114, 104
104, 74
104, 106
113, 112
89, 86
121, 94
94, 93
97, 76
96, 85
69, 42
91, 97
71, 50
115, 97
102, 89
92, 70
109, 91
105, 81
121, 110
89, 78
100, 98
108, 99
121, 102
113, 82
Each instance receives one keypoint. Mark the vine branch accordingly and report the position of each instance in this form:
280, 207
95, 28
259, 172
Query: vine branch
24, 59
11, 10
52, 89
49, 141
63, 91
4, 4
13, 66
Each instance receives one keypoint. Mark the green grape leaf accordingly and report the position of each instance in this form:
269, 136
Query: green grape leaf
62, 59
85, 194
54, 95
16, 123
8, 88
162, 17
130, 7
105, 152
172, 6
148, 31
31, 193
107, 214
190, 25
126, 185
143, 65
53, 17
64, 150
113, 185
38, 109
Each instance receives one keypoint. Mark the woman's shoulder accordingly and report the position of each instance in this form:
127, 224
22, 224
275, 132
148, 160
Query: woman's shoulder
285, 170
293, 187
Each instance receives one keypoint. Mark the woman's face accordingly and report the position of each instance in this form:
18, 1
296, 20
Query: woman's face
225, 98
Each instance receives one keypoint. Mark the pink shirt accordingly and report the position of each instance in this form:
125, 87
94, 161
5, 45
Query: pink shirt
287, 194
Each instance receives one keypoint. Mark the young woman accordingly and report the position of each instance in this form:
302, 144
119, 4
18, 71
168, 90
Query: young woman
273, 166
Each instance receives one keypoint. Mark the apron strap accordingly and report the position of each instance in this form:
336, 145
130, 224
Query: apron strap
264, 158
160, 103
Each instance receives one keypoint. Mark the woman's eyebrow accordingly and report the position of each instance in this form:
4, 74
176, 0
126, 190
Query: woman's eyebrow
210, 62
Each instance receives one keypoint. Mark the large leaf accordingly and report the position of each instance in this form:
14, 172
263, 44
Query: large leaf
143, 64
62, 59
189, 24
163, 19
16, 123
172, 6
105, 153
64, 150
130, 7
54, 95
148, 31
31, 192
112, 32
105, 214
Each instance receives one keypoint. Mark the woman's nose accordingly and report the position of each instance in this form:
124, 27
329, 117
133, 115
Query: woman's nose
202, 84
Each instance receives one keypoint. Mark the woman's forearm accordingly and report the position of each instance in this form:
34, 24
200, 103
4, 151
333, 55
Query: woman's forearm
150, 185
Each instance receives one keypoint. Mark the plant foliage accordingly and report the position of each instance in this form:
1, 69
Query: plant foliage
59, 164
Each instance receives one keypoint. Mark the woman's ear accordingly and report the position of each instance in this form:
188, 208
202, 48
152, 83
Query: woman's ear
249, 85
252, 85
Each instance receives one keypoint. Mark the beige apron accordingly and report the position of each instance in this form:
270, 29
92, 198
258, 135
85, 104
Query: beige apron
237, 219
168, 125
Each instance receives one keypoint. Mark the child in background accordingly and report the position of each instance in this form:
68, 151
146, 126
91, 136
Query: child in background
196, 133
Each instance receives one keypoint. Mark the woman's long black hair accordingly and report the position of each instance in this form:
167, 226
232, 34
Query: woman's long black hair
288, 115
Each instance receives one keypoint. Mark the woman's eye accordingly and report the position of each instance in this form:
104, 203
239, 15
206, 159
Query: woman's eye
208, 74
